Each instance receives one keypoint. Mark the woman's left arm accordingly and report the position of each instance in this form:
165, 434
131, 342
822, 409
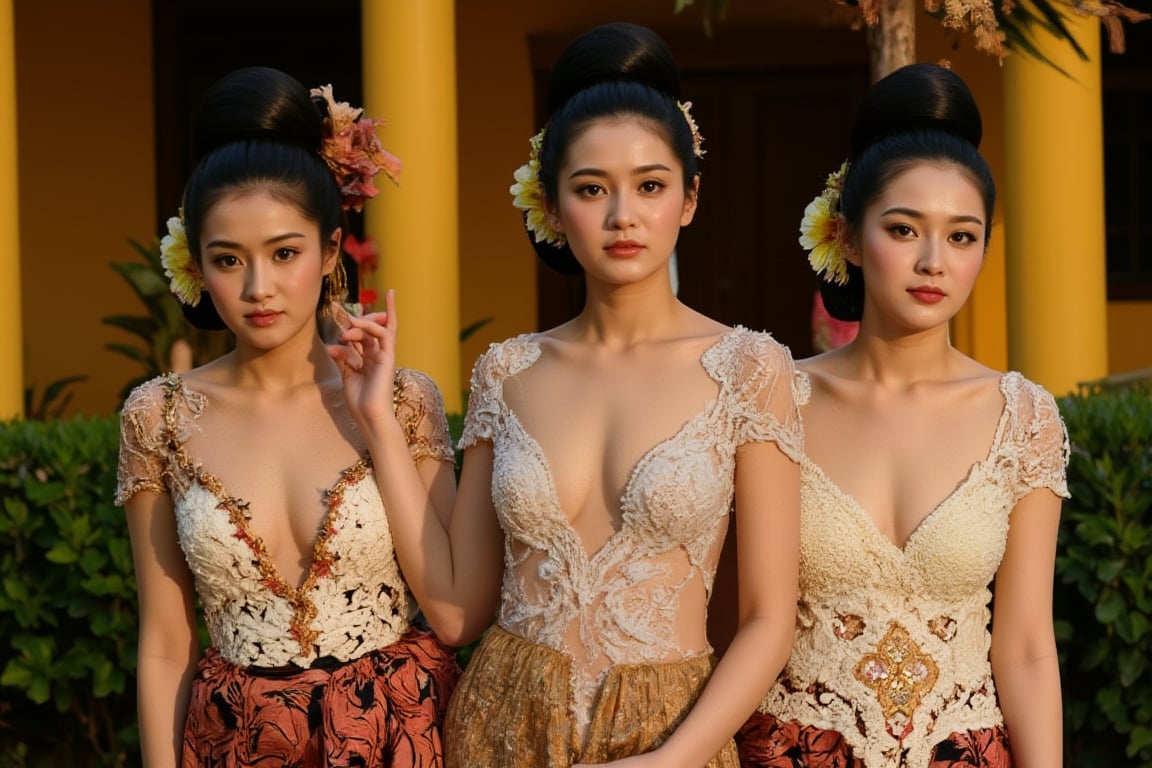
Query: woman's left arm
1024, 662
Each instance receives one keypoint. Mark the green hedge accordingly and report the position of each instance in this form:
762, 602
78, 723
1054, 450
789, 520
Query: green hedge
68, 598
1103, 602
68, 608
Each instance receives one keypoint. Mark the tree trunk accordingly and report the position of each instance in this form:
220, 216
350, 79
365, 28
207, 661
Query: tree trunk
892, 42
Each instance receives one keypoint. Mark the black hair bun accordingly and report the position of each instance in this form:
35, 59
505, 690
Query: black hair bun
617, 51
916, 97
257, 103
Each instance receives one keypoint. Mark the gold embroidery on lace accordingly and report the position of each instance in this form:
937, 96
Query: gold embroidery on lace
848, 626
900, 674
303, 608
411, 413
410, 416
944, 627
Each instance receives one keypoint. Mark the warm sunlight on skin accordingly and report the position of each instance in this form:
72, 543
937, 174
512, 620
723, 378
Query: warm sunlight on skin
263, 265
921, 247
621, 201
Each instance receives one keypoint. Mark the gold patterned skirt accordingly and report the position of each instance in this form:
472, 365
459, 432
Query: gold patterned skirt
512, 708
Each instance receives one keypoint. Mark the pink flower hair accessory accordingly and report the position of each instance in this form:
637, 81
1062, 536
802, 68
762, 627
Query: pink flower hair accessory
353, 151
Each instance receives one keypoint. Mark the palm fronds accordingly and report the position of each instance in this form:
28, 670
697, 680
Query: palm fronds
999, 26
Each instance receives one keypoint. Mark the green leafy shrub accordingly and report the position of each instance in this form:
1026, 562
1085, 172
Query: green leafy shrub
1103, 603
67, 598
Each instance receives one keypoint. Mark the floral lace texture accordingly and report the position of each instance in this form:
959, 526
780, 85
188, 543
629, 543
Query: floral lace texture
892, 644
620, 604
353, 599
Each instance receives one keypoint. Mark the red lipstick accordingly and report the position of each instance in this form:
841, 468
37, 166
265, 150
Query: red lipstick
262, 318
927, 294
625, 249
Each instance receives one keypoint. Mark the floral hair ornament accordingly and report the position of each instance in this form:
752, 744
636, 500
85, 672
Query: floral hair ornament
528, 196
184, 279
353, 151
820, 231
697, 139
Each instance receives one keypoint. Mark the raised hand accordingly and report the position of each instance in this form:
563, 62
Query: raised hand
367, 361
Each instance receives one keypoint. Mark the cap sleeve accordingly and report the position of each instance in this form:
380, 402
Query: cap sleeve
420, 411
483, 399
1040, 441
142, 438
768, 388
485, 392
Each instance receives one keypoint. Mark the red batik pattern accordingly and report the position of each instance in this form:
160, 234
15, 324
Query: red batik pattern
384, 709
766, 742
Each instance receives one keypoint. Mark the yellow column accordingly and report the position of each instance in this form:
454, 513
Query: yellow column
11, 332
410, 81
1054, 211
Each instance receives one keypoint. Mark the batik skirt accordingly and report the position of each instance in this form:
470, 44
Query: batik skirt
766, 742
512, 708
385, 708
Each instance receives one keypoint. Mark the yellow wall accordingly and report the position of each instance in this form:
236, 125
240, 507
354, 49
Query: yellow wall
1129, 347
84, 100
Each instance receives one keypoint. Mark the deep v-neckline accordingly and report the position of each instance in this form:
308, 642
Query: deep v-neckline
237, 508
627, 508
935, 511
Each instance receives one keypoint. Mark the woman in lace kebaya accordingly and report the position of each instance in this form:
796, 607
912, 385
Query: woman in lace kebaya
926, 476
248, 483
604, 460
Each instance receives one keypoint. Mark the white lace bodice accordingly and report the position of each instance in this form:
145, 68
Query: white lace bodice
620, 604
892, 644
353, 598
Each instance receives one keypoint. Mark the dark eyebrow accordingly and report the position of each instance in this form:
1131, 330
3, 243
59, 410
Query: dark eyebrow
269, 241
638, 171
914, 214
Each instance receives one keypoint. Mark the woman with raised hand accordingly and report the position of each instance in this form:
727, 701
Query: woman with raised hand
248, 483
927, 476
604, 461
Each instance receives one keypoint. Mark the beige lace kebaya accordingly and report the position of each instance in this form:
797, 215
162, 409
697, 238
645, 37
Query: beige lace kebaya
353, 599
621, 605
892, 644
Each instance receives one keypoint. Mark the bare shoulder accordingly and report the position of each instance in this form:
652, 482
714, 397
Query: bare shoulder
971, 380
826, 369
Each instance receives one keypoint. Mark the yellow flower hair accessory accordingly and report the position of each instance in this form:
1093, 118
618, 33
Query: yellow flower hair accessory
353, 151
820, 231
184, 279
697, 139
528, 196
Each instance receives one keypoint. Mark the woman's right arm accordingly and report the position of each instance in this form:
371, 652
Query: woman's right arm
168, 645
454, 570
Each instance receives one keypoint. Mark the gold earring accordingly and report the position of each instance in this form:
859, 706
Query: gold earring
336, 288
